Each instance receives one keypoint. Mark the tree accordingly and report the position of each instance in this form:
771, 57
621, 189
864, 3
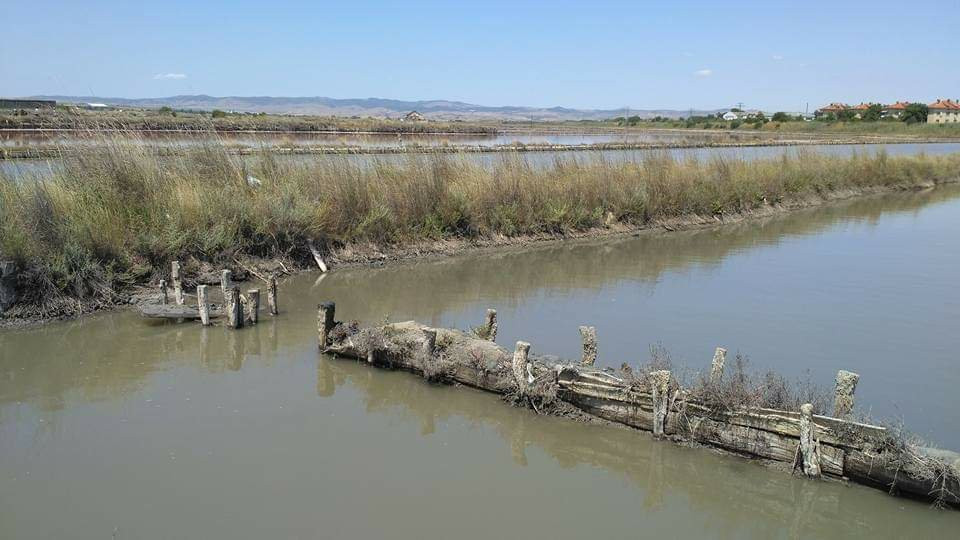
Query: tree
873, 113
781, 116
166, 111
217, 113
915, 113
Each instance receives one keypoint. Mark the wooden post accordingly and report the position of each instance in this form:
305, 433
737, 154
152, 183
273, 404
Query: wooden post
226, 282
253, 303
204, 304
588, 335
325, 322
429, 343
809, 457
177, 282
716, 366
163, 292
234, 307
660, 386
490, 325
843, 396
272, 295
521, 367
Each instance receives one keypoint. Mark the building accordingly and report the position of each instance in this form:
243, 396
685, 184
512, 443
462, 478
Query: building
834, 109
943, 111
859, 110
729, 115
96, 106
414, 116
27, 104
895, 110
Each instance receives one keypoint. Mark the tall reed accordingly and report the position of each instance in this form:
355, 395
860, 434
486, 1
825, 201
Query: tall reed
117, 210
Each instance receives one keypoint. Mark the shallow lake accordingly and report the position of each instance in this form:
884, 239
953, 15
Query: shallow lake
114, 427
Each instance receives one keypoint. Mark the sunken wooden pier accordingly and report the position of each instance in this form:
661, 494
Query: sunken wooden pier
812, 445
235, 309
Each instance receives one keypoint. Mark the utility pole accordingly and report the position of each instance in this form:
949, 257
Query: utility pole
740, 105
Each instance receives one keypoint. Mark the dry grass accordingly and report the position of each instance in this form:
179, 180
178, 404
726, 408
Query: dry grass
119, 211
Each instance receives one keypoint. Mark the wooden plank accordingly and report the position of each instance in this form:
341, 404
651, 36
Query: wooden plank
173, 311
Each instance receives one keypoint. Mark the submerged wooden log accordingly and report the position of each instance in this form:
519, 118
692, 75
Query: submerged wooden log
203, 305
843, 398
588, 337
823, 445
173, 311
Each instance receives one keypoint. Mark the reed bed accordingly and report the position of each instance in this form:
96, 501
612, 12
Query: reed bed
118, 211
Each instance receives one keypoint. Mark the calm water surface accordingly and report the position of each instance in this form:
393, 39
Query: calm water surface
111, 427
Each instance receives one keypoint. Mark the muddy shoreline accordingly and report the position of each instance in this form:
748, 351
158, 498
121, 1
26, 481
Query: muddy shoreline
371, 255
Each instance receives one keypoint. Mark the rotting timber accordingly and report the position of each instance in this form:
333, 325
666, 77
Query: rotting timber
813, 445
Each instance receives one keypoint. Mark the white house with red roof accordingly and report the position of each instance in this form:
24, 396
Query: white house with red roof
943, 111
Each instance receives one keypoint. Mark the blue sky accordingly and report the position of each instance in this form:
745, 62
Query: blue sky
679, 55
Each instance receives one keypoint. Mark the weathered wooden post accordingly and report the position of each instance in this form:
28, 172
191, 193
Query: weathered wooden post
660, 386
163, 292
226, 281
588, 335
843, 396
203, 303
521, 367
234, 307
253, 304
325, 322
272, 295
429, 343
177, 282
716, 366
489, 329
809, 457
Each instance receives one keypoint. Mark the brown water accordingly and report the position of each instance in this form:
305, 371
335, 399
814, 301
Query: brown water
111, 427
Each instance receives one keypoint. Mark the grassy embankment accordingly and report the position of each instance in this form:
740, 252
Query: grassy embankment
884, 128
115, 216
148, 119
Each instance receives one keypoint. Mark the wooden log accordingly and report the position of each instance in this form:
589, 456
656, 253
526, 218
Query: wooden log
253, 306
234, 308
226, 282
843, 395
272, 295
660, 382
325, 322
521, 367
489, 328
203, 304
163, 292
173, 311
177, 282
716, 366
809, 450
429, 342
588, 337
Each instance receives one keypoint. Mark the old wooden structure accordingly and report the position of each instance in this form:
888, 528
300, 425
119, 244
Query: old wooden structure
813, 445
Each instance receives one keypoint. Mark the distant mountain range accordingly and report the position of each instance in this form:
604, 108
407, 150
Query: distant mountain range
389, 108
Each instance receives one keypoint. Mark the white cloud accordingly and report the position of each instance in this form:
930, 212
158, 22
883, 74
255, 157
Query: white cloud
777, 57
703, 72
169, 76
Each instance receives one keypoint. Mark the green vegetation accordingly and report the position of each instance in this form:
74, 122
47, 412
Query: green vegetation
120, 211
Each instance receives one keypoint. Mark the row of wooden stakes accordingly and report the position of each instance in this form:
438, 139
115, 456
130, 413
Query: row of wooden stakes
239, 309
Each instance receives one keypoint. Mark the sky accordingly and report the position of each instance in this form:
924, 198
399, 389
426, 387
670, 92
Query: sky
643, 55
